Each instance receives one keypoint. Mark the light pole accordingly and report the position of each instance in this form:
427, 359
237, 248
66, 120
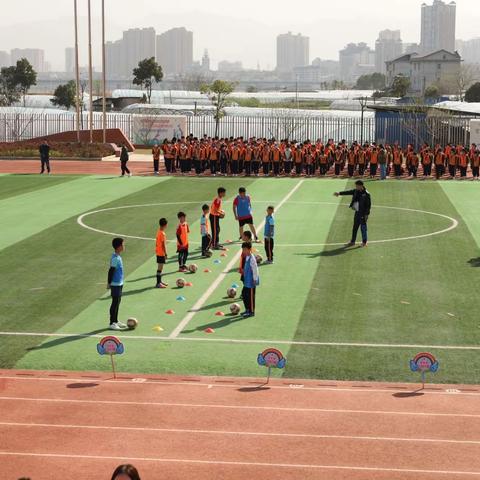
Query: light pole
77, 72
104, 78
363, 104
90, 73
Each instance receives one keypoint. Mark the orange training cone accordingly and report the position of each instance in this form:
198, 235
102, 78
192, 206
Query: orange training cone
170, 312
220, 314
209, 330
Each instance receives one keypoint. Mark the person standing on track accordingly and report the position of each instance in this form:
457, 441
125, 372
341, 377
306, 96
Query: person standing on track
216, 213
44, 150
361, 203
156, 158
124, 161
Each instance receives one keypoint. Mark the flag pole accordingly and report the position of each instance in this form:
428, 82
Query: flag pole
104, 78
90, 73
77, 73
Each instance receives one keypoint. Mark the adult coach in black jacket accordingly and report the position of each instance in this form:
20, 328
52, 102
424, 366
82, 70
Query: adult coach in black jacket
361, 203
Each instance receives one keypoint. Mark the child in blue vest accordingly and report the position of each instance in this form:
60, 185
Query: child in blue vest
242, 210
250, 280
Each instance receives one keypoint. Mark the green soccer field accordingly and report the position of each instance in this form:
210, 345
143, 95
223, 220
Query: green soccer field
335, 313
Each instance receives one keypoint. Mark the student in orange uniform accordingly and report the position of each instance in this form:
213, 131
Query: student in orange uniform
351, 161
216, 213
440, 159
276, 157
182, 241
427, 160
298, 159
397, 161
156, 158
373, 161
412, 163
247, 159
161, 251
214, 153
462, 162
361, 160
452, 161
266, 158
168, 156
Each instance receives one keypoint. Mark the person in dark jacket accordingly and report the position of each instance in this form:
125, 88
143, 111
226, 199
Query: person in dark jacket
123, 161
44, 150
361, 203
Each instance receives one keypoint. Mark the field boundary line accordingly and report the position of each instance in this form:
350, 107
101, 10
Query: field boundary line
250, 341
221, 276
239, 463
220, 406
191, 431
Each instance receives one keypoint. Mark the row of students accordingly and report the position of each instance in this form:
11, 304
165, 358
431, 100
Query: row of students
269, 157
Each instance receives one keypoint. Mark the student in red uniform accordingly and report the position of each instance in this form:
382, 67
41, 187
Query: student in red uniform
462, 162
440, 159
242, 210
216, 213
427, 160
161, 251
182, 241
474, 157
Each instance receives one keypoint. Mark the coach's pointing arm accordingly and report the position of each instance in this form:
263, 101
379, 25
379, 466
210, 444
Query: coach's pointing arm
346, 192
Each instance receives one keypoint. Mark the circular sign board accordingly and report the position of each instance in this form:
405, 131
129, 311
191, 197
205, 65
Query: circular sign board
271, 358
110, 345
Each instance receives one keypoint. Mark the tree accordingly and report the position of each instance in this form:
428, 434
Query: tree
431, 92
9, 92
64, 95
218, 92
25, 77
375, 81
400, 86
146, 74
473, 93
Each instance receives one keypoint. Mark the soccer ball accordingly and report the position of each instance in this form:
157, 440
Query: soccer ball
132, 323
192, 268
231, 293
181, 282
259, 259
235, 308
221, 214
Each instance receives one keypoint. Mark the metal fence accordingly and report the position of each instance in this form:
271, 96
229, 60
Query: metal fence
413, 129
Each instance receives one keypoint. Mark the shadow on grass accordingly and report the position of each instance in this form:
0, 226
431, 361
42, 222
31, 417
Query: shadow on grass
63, 340
330, 253
130, 292
224, 322
474, 262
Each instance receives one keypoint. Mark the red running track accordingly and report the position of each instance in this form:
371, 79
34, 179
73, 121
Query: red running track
57, 425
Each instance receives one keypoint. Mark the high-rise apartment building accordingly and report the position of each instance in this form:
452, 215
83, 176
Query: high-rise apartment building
69, 60
35, 56
292, 51
175, 51
356, 59
387, 47
438, 26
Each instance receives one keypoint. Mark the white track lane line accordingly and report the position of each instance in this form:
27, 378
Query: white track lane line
251, 341
269, 408
238, 464
188, 431
214, 285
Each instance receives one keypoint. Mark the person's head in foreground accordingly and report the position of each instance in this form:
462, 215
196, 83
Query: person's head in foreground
246, 248
270, 210
125, 472
117, 244
247, 236
359, 186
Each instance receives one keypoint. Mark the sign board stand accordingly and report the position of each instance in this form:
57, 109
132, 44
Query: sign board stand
111, 346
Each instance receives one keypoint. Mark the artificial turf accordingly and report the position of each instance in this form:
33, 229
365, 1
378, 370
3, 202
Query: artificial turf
413, 292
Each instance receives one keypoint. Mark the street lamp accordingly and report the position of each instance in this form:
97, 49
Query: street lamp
90, 74
104, 78
77, 72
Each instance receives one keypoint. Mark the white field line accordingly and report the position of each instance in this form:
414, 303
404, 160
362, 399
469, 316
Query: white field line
252, 341
448, 389
220, 406
241, 433
452, 226
214, 285
238, 464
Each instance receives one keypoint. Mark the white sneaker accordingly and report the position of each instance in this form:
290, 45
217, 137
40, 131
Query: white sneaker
115, 326
129, 174
121, 325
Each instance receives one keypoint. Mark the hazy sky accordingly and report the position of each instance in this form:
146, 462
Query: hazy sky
235, 30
